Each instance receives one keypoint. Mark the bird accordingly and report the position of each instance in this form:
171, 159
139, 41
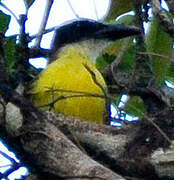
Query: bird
71, 84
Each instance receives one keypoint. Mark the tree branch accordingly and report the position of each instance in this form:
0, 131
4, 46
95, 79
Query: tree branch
11, 12
74, 12
44, 21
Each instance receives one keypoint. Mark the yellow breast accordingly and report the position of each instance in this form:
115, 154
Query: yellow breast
66, 86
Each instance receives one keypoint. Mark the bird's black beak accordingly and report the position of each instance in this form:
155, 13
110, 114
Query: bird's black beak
114, 32
88, 29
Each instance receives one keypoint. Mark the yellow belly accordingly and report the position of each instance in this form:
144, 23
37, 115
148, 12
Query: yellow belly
67, 87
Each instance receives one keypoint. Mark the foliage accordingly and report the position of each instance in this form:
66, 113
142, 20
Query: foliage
110, 53
128, 62
29, 3
135, 106
9, 47
4, 22
159, 42
119, 7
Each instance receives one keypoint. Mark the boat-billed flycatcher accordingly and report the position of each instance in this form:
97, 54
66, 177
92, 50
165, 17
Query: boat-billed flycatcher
66, 85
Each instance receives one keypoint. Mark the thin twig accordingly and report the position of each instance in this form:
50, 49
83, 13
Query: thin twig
22, 36
103, 90
36, 35
118, 60
159, 129
14, 166
76, 95
44, 21
44, 32
119, 57
8, 157
5, 7
156, 54
94, 78
84, 93
71, 91
72, 9
71, 96
28, 5
5, 166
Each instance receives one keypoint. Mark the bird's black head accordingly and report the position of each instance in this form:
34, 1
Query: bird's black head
88, 29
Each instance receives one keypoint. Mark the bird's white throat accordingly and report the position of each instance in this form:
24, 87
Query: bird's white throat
91, 48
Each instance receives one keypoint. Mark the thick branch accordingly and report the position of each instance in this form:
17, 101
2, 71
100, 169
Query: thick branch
122, 150
127, 151
59, 156
50, 148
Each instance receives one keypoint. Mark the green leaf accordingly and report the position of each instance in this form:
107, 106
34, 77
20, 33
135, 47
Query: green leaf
29, 3
114, 48
159, 42
104, 60
9, 47
4, 21
119, 7
111, 52
108, 55
126, 19
135, 106
128, 62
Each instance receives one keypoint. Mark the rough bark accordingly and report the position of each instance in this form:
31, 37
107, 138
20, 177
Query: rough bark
55, 146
